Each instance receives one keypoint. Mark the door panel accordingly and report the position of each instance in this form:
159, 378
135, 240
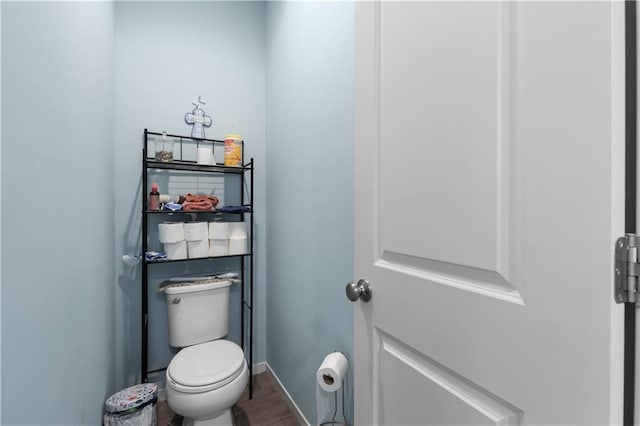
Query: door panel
420, 129
486, 170
402, 367
450, 128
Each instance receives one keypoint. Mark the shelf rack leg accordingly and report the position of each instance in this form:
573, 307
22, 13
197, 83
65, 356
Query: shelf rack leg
144, 309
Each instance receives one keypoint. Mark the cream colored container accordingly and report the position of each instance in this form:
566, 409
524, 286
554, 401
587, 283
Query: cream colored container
233, 150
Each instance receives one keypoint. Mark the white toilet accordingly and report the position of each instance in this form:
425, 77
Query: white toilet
209, 374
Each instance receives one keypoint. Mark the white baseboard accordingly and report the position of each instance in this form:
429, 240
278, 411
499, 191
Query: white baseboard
162, 394
259, 368
294, 407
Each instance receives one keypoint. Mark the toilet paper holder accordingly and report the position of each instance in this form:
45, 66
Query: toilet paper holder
335, 405
330, 380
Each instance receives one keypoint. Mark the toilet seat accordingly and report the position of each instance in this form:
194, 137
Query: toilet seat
206, 366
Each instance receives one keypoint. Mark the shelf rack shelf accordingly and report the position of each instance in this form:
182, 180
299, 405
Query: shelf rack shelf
192, 166
153, 262
246, 173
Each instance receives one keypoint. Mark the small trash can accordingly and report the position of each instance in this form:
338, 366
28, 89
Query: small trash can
133, 406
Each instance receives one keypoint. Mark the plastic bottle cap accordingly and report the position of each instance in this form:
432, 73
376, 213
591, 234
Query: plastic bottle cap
154, 187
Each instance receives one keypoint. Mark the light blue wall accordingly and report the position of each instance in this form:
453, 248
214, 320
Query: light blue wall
168, 53
74, 111
309, 132
58, 363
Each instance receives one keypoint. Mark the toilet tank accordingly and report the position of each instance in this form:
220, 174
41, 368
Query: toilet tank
198, 312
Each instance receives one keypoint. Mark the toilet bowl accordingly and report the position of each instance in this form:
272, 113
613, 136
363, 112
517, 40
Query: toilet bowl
205, 380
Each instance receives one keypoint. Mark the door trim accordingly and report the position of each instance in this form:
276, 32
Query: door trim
630, 200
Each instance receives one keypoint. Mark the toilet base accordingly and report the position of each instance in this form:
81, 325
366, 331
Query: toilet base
210, 408
224, 419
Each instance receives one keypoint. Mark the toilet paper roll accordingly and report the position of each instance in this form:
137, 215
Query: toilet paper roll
332, 371
176, 251
219, 247
170, 232
205, 156
237, 229
196, 231
238, 245
218, 230
198, 248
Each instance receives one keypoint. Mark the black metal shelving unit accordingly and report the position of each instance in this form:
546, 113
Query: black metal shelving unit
245, 172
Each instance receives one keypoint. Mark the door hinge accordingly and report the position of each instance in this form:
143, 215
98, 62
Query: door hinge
627, 269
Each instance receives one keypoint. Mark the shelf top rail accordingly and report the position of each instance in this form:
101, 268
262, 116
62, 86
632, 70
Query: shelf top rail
170, 135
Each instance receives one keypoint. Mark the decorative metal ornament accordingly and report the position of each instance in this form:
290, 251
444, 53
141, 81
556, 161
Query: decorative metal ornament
198, 119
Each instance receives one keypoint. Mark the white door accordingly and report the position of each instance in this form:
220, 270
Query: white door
489, 182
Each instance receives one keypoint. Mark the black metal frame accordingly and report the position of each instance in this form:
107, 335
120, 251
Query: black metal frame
246, 260
630, 201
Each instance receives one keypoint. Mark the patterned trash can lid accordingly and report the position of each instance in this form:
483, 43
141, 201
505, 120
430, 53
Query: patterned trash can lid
132, 398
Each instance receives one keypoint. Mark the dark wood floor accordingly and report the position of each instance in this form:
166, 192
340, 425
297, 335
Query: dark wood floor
267, 408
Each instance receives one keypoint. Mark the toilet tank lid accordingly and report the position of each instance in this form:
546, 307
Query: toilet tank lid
190, 287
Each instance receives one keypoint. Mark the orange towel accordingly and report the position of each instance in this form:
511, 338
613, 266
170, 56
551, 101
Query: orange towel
198, 202
205, 205
201, 197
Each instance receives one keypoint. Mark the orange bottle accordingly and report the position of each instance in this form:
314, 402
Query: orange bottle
154, 197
